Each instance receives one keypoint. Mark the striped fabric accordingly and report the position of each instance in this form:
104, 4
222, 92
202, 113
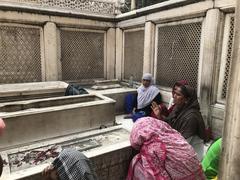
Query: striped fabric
73, 165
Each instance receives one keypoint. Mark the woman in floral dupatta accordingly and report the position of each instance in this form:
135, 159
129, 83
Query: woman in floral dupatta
163, 153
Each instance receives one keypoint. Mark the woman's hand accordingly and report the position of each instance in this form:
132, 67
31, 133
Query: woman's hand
156, 109
46, 173
134, 110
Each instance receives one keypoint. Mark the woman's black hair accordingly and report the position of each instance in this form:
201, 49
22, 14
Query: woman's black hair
184, 91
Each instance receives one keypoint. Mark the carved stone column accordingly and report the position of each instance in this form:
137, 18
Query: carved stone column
50, 49
119, 53
211, 26
111, 43
149, 38
230, 162
133, 4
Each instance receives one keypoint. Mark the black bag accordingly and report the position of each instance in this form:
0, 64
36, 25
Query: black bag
75, 89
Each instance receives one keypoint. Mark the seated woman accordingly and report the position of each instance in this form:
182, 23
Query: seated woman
211, 160
171, 102
146, 94
70, 165
163, 153
186, 117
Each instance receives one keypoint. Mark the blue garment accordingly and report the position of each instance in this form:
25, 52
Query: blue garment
129, 103
138, 115
75, 89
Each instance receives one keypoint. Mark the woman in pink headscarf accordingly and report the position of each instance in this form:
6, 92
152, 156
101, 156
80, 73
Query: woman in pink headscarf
163, 153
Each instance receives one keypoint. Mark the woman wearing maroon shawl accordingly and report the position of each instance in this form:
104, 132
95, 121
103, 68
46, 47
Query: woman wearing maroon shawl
166, 111
186, 117
171, 102
163, 153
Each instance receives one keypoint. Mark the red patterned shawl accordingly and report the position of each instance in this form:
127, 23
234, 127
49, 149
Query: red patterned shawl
164, 153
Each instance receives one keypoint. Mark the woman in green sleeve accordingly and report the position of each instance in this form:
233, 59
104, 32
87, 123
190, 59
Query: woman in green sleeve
211, 159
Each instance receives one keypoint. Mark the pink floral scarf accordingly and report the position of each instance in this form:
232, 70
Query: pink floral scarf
164, 153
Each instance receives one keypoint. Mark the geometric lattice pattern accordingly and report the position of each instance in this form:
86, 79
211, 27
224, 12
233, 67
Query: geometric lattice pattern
20, 56
133, 54
82, 55
178, 54
93, 6
228, 58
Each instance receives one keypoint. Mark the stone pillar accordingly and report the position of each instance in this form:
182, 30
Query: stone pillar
149, 39
133, 4
211, 27
119, 53
230, 159
50, 48
111, 44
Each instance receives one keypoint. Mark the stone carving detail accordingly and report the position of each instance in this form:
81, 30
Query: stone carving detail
133, 55
228, 59
178, 53
20, 55
82, 54
93, 6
